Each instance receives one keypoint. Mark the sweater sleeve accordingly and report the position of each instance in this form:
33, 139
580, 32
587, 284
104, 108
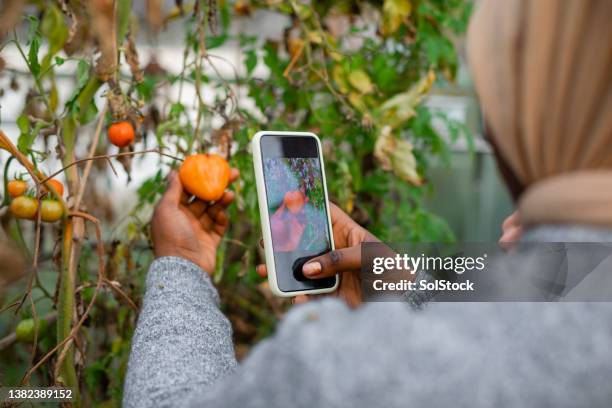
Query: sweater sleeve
182, 340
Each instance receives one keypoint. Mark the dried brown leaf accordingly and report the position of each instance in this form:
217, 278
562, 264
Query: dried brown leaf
153, 68
131, 55
118, 105
213, 20
102, 12
396, 155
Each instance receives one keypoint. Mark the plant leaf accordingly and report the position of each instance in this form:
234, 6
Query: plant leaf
250, 61
394, 13
396, 155
400, 107
82, 73
361, 81
33, 55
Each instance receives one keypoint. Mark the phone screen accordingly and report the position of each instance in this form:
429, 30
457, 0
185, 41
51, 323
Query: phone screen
297, 209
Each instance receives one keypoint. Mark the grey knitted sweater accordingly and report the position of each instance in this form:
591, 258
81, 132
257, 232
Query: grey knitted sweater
381, 355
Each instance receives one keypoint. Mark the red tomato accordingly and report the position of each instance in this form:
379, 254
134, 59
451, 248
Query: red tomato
121, 134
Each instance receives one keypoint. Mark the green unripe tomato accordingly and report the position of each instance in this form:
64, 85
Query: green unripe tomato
25, 329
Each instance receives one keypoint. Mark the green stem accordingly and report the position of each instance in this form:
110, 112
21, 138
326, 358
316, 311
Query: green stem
65, 308
5, 201
70, 253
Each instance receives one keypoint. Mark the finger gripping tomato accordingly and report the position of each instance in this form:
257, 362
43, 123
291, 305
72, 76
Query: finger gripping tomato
24, 207
205, 176
16, 188
50, 210
121, 134
294, 200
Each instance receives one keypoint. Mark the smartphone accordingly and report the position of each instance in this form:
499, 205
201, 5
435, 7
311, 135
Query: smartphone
294, 209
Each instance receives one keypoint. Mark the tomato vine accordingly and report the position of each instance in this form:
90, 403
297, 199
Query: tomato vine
354, 72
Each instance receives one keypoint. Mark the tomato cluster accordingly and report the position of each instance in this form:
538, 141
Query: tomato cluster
25, 206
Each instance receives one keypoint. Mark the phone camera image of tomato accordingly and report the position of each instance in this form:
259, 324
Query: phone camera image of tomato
294, 200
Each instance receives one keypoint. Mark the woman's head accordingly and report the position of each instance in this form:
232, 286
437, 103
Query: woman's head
543, 72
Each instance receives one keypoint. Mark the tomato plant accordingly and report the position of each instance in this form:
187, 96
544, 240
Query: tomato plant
354, 72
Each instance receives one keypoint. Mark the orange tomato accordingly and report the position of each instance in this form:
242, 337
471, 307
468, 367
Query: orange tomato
24, 207
205, 176
294, 200
50, 210
58, 186
16, 188
121, 134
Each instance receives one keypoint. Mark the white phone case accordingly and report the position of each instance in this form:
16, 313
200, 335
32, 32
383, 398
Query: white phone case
265, 219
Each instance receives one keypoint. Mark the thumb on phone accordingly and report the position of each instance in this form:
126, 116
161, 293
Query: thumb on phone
331, 263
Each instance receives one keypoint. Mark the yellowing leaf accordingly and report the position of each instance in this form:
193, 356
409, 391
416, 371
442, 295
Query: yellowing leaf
315, 37
336, 56
394, 13
361, 81
400, 107
356, 100
302, 10
338, 77
396, 155
53, 97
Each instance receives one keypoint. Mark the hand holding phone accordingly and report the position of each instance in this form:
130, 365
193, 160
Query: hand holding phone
294, 209
345, 260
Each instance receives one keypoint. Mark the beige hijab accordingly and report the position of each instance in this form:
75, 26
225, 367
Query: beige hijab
543, 73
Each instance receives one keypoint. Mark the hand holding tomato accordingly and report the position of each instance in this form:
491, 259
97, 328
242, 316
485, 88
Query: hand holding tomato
190, 230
